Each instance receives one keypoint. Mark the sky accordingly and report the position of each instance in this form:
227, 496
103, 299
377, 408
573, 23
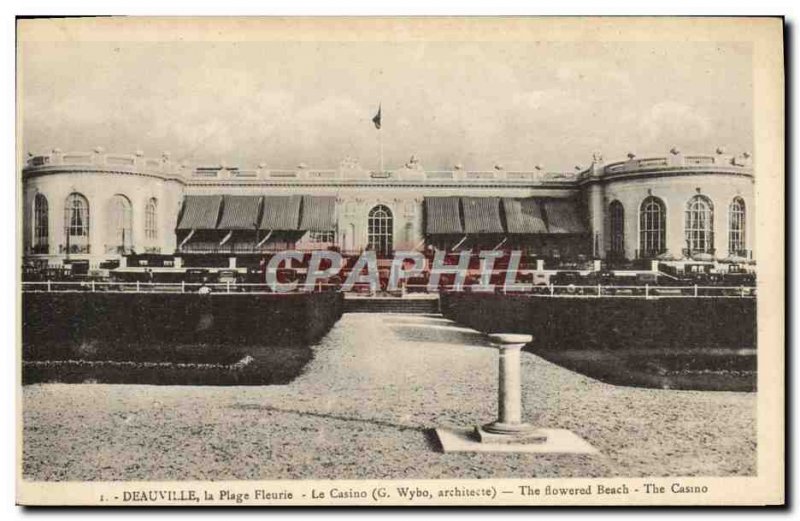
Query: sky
473, 104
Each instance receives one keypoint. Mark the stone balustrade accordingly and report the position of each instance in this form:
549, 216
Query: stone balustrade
100, 160
164, 166
674, 160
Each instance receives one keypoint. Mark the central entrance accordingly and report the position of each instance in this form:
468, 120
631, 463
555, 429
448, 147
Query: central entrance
380, 230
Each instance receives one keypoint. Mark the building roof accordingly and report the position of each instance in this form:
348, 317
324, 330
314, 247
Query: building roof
442, 215
240, 212
482, 215
200, 212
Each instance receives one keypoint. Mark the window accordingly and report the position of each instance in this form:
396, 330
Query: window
41, 228
321, 237
652, 227
380, 229
700, 225
121, 223
76, 223
736, 228
151, 220
617, 217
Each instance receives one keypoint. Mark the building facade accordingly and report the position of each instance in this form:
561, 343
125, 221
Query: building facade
98, 207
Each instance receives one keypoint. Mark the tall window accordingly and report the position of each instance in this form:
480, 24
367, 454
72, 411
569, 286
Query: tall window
76, 223
151, 220
736, 227
41, 228
652, 227
380, 230
121, 224
617, 217
700, 225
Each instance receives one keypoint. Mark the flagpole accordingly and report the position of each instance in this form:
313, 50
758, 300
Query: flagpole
377, 122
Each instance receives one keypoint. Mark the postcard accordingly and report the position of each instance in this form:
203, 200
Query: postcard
400, 261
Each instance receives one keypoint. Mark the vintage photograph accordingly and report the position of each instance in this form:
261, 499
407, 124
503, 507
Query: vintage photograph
400, 261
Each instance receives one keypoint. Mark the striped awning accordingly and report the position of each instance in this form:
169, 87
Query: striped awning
562, 217
318, 213
442, 216
239, 212
524, 216
281, 212
200, 212
481, 215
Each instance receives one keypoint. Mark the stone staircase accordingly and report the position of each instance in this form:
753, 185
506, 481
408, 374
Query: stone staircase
391, 305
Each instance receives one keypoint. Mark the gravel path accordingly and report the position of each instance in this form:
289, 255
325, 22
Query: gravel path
364, 409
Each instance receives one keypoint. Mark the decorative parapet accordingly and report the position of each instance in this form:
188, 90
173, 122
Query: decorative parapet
348, 171
675, 161
99, 160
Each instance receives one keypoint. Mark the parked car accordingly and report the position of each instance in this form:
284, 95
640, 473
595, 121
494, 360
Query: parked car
197, 276
567, 278
228, 277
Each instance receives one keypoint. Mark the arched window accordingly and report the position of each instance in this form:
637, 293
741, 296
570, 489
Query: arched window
151, 220
700, 225
652, 227
76, 223
380, 230
617, 217
736, 228
41, 227
121, 221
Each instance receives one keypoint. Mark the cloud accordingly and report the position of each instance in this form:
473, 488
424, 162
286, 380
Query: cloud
674, 123
472, 103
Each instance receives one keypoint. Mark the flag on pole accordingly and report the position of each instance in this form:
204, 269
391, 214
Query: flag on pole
377, 118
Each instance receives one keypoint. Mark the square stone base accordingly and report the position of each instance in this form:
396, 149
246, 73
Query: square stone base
529, 435
558, 441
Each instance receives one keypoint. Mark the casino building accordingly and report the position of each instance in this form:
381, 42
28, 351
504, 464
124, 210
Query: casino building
97, 207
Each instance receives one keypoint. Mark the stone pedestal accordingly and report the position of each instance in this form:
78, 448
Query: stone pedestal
509, 427
509, 433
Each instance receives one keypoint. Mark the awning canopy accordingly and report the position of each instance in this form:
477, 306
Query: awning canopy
239, 212
318, 213
493, 215
281, 213
442, 216
200, 212
482, 215
524, 216
562, 217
